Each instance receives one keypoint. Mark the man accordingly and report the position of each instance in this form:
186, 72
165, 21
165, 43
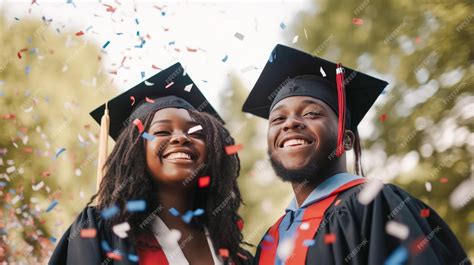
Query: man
313, 107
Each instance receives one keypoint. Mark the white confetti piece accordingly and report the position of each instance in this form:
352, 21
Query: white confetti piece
285, 248
195, 129
121, 229
28, 109
173, 237
78, 172
11, 169
10, 162
25, 140
371, 189
239, 36
64, 69
304, 226
462, 194
81, 139
38, 186
15, 199
305, 34
81, 194
295, 39
322, 71
396, 229
247, 69
188, 87
148, 83
428, 186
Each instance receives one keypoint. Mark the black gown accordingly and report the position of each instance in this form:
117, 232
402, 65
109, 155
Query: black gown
361, 237
72, 249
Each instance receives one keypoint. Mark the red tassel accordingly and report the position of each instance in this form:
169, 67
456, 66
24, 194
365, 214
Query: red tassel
341, 102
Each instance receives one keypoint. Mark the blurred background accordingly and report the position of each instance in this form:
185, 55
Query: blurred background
61, 59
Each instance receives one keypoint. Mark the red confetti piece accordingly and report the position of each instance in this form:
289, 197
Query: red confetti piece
329, 238
240, 224
9, 116
170, 84
80, 33
337, 202
149, 100
176, 49
27, 149
443, 180
19, 55
191, 49
114, 255
357, 21
417, 40
88, 233
223, 252
204, 181
383, 117
418, 245
425, 213
139, 125
242, 256
110, 8
132, 98
232, 149
155, 67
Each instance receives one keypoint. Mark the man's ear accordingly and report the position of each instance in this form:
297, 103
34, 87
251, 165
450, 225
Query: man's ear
349, 139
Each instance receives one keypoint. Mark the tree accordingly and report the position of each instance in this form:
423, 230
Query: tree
49, 81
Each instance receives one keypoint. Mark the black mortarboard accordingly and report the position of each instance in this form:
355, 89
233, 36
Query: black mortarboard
171, 87
290, 72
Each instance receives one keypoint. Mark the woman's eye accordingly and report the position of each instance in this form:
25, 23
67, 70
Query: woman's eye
162, 133
197, 134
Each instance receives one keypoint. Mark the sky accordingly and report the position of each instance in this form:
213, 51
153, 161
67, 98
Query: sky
212, 39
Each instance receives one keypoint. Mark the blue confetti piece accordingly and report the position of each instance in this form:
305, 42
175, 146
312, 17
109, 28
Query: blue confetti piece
398, 256
52, 239
268, 238
198, 212
138, 33
52, 205
136, 206
109, 212
225, 58
272, 57
171, 43
2, 184
187, 216
174, 212
132, 258
17, 19
119, 33
136, 21
105, 246
88, 28
163, 13
59, 152
106, 44
282, 25
27, 69
309, 242
148, 136
143, 74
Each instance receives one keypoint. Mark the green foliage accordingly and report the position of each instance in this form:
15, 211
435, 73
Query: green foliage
49, 81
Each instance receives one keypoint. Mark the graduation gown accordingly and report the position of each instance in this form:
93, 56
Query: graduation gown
352, 233
107, 248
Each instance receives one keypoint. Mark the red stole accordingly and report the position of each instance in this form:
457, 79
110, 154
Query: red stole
313, 215
151, 256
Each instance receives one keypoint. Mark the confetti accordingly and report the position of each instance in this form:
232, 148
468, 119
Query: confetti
397, 230
304, 226
187, 216
105, 246
305, 34
11, 169
295, 39
321, 70
357, 21
191, 49
425, 212
59, 152
443, 180
109, 212
106, 44
225, 58
148, 83
239, 36
223, 252
114, 255
149, 100
198, 212
80, 33
329, 239
38, 186
240, 224
169, 85
383, 117
194, 129
121, 229
88, 233
398, 256
282, 25
370, 190
268, 238
174, 212
204, 181
188, 87
132, 98
285, 248
142, 74
132, 258
148, 136
232, 149
309, 242
428, 186
136, 206
139, 125
52, 205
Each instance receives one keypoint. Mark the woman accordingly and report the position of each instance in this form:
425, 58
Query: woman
172, 160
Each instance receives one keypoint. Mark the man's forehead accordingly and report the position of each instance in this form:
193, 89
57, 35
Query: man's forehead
298, 102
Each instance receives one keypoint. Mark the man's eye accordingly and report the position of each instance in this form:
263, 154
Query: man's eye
279, 118
312, 113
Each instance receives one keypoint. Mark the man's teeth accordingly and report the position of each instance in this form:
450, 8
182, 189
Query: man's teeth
178, 155
294, 142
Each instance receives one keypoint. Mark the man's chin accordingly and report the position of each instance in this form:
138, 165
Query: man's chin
295, 174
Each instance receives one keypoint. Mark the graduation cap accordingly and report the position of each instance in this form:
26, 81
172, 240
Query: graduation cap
290, 72
170, 88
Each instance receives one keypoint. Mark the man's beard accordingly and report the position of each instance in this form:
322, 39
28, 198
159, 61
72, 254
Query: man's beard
305, 173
